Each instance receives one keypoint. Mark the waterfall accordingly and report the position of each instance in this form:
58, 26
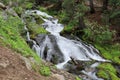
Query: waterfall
58, 49
35, 47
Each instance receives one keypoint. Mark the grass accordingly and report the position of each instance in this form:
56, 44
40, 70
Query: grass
45, 70
10, 36
77, 78
35, 29
112, 53
107, 71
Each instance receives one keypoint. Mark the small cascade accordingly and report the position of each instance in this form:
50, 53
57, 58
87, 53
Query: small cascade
90, 73
60, 50
35, 47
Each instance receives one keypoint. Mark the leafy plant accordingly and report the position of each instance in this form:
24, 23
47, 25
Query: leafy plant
44, 70
98, 33
28, 5
77, 78
18, 10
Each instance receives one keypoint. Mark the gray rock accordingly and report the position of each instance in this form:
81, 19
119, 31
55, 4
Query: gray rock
27, 63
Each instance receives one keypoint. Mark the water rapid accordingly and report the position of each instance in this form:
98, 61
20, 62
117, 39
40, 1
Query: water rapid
60, 50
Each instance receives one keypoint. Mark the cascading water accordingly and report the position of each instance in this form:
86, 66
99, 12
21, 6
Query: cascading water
60, 50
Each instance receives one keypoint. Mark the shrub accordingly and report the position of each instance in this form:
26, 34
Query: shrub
97, 33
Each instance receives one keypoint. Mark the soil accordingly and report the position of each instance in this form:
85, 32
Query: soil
12, 67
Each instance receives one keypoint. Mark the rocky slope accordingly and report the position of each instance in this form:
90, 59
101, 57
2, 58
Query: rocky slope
13, 66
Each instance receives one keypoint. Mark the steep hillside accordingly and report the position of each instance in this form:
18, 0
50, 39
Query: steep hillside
17, 60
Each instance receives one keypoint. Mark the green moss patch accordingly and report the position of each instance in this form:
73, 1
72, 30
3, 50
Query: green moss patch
107, 71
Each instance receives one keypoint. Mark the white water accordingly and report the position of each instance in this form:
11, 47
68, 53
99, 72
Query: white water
69, 48
35, 47
91, 72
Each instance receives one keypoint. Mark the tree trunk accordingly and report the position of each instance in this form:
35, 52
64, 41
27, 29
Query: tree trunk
38, 2
81, 23
105, 4
58, 6
92, 10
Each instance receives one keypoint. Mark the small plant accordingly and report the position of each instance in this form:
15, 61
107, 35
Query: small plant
44, 70
29, 5
77, 78
18, 10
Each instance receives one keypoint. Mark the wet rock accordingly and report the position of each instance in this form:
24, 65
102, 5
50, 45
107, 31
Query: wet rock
57, 54
40, 38
11, 12
51, 51
117, 66
2, 6
30, 43
75, 66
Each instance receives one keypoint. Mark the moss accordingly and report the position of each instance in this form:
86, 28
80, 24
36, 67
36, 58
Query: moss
18, 10
111, 52
35, 29
34, 25
103, 74
107, 71
44, 70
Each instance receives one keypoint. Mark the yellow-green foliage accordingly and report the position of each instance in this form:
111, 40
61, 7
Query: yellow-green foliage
10, 29
44, 70
103, 74
77, 78
34, 25
35, 29
111, 52
107, 71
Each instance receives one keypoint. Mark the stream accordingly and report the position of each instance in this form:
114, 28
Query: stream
71, 55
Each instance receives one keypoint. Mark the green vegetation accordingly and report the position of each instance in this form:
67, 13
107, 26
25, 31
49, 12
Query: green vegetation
35, 29
41, 68
97, 33
44, 70
107, 71
74, 14
10, 35
111, 52
77, 78
10, 30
